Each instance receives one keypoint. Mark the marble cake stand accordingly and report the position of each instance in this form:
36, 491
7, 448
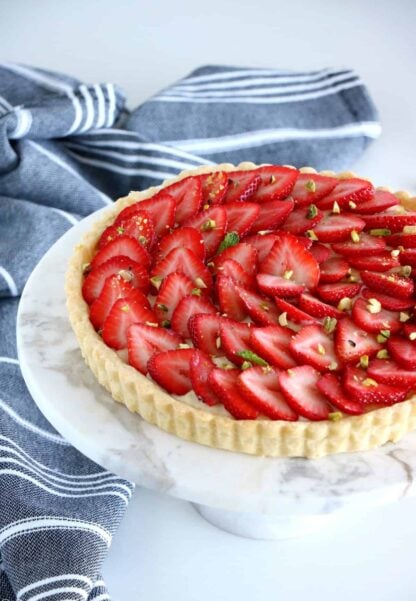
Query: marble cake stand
250, 496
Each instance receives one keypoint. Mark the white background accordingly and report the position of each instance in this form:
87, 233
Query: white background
163, 549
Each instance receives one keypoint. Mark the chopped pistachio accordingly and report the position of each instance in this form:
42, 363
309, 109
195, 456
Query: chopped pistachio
412, 336
126, 274
252, 357
272, 179
288, 274
200, 283
211, 264
395, 252
391, 278
369, 382
120, 230
311, 234
345, 304
208, 225
385, 333
230, 239
246, 365
196, 292
143, 240
333, 366
405, 271
310, 185
206, 207
283, 318
355, 236
162, 307
265, 306
156, 281
409, 229
404, 316
152, 324
364, 361
352, 204
312, 212
335, 416
218, 342
184, 345
373, 306
125, 308
165, 323
382, 231
383, 354
383, 336
86, 268
227, 365
330, 323
266, 369
321, 349
335, 208
290, 372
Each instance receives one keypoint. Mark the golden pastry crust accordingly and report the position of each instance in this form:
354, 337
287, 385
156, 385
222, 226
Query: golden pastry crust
255, 437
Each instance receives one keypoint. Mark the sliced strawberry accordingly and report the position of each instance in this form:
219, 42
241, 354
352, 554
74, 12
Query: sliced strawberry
351, 342
261, 388
331, 388
348, 190
232, 269
320, 252
241, 216
173, 289
241, 185
388, 302
262, 243
124, 313
235, 337
183, 237
187, 194
408, 257
260, 309
298, 385
405, 240
171, 369
374, 322
114, 288
214, 187
390, 284
126, 268
275, 285
312, 346
212, 224
224, 384
184, 261
290, 261
394, 222
243, 253
272, 214
302, 220
310, 187
205, 330
403, 351
313, 306
381, 201
122, 246
187, 307
382, 262
364, 389
305, 242
333, 293
332, 270
338, 228
230, 302
389, 372
276, 183
139, 225
272, 343
294, 313
368, 245
200, 368
161, 209
144, 341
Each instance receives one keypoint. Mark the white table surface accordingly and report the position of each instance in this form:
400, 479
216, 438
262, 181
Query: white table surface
163, 549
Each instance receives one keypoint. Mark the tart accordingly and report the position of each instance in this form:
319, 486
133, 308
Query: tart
264, 310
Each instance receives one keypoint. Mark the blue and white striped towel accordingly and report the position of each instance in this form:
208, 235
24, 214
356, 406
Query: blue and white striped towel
67, 149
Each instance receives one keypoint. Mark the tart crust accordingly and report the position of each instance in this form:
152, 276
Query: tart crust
256, 437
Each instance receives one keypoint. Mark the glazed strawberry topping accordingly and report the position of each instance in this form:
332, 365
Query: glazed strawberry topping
277, 294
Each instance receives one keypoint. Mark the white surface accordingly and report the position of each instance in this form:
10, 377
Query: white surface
163, 550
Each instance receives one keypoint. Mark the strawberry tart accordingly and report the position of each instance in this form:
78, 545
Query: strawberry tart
264, 310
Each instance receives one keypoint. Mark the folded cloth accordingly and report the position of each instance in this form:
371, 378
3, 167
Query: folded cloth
67, 149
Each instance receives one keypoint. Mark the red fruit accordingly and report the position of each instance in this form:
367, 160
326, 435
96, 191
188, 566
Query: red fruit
405, 240
358, 387
232, 269
114, 288
351, 342
381, 201
301, 221
291, 262
241, 216
214, 187
241, 185
275, 285
368, 245
388, 302
187, 307
331, 388
313, 306
124, 313
122, 246
408, 257
235, 337
139, 225
160, 207
224, 384
338, 228
390, 284
298, 385
348, 190
310, 187
333, 270
211, 224
261, 388
200, 368
229, 301
333, 293
293, 313
243, 253
183, 237
374, 322
409, 329
126, 268
184, 261
320, 252
272, 343
312, 346
205, 330
276, 183
144, 341
187, 194
389, 372
382, 262
173, 289
260, 309
262, 243
171, 369
394, 222
272, 214
403, 351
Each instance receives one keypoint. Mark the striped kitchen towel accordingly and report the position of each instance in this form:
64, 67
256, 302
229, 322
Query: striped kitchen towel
67, 149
